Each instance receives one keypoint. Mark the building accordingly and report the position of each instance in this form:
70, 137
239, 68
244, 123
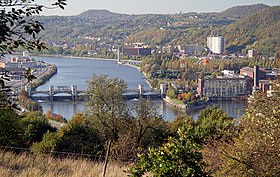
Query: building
12, 73
18, 62
136, 51
224, 87
166, 49
252, 53
264, 85
216, 44
263, 73
192, 49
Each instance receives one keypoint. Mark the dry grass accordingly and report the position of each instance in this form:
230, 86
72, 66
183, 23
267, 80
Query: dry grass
26, 165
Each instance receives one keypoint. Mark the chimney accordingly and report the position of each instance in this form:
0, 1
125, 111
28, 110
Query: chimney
256, 79
256, 76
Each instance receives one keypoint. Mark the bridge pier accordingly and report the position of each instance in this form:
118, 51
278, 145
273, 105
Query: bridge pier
51, 92
119, 55
141, 90
163, 89
74, 92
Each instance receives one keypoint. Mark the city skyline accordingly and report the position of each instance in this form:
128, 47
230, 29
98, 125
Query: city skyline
150, 7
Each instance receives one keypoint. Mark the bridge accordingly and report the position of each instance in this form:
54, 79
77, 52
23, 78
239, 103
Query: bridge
72, 93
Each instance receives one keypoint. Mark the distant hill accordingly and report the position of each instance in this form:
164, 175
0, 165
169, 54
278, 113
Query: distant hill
238, 12
98, 14
260, 30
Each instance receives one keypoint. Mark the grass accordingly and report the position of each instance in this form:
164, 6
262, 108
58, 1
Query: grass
25, 165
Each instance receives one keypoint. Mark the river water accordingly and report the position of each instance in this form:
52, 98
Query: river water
77, 71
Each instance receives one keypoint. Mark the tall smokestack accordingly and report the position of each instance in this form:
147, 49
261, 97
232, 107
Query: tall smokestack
256, 79
256, 76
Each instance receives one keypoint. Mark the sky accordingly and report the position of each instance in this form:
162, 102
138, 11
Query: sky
75, 7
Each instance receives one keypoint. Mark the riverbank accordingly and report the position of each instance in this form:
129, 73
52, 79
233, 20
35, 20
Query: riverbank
181, 107
85, 58
42, 78
184, 107
130, 65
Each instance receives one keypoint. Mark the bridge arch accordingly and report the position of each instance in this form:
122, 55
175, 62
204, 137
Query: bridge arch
62, 94
39, 94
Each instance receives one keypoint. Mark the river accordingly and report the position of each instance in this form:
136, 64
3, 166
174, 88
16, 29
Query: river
77, 71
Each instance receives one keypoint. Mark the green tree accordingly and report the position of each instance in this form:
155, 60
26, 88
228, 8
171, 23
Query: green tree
171, 92
34, 126
149, 125
10, 128
48, 144
105, 105
178, 157
77, 136
80, 136
18, 28
213, 124
255, 150
145, 128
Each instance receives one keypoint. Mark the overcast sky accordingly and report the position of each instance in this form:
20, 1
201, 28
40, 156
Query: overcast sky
75, 7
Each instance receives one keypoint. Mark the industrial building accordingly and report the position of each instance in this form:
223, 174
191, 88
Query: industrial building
136, 51
224, 88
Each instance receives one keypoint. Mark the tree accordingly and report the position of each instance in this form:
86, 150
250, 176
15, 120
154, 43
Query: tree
148, 126
9, 125
213, 124
18, 28
80, 136
77, 136
171, 92
255, 150
178, 157
145, 128
182, 154
106, 106
34, 126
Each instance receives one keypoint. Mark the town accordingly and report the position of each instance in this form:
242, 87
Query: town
147, 90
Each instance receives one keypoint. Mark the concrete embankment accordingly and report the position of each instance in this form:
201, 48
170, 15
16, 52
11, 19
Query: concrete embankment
169, 101
45, 76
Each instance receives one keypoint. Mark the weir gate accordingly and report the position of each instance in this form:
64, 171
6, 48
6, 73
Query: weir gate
64, 93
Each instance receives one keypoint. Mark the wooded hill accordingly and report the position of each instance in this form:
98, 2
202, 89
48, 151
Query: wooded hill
259, 30
238, 12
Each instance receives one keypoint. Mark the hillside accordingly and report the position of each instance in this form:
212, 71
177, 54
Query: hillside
96, 13
26, 164
260, 30
117, 27
238, 12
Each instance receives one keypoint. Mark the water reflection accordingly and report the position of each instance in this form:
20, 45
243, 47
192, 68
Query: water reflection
68, 109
